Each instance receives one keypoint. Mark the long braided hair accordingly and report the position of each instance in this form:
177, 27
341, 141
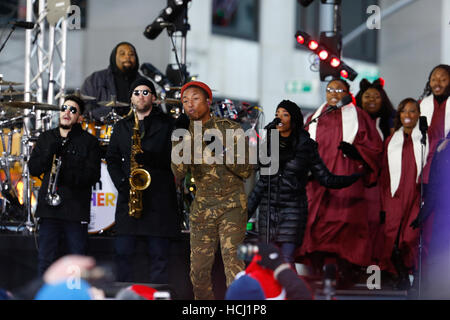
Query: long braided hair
427, 89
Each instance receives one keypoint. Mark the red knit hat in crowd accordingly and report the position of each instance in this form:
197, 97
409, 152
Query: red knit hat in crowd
198, 84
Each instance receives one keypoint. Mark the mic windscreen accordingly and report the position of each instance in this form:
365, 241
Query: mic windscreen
153, 30
344, 101
23, 24
423, 124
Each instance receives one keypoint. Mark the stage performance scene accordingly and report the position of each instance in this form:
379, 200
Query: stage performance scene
220, 150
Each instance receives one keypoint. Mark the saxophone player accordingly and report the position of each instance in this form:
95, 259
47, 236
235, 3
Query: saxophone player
148, 130
68, 160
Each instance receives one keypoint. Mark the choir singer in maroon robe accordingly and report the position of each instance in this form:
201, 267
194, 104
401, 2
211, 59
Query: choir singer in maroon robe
405, 156
337, 229
436, 104
373, 99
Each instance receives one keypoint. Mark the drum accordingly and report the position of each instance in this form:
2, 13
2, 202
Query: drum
101, 131
103, 203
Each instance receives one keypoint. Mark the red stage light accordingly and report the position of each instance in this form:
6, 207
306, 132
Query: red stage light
300, 39
335, 62
344, 73
323, 54
313, 45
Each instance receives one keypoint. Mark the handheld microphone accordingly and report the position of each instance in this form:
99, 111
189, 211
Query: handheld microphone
344, 101
273, 124
23, 24
423, 126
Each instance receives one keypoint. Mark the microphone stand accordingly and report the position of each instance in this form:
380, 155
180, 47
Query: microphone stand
330, 109
7, 38
423, 144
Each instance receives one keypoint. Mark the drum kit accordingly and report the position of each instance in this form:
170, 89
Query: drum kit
21, 123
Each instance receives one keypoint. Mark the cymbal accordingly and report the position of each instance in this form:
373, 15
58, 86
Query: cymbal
170, 101
81, 96
9, 83
12, 93
30, 105
113, 104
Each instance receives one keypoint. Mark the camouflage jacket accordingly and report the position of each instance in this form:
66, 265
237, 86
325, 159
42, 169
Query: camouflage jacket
219, 185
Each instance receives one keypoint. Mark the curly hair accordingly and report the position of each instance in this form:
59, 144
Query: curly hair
427, 89
386, 112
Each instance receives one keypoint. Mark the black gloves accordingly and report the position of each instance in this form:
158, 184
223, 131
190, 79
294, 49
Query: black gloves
416, 223
382, 217
182, 122
349, 150
355, 177
270, 256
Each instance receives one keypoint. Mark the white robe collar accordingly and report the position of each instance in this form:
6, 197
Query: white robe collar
427, 110
395, 151
349, 122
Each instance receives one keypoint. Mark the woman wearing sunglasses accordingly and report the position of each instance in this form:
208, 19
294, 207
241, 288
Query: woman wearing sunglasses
337, 230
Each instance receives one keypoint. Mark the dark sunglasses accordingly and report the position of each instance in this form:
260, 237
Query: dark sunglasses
72, 109
144, 92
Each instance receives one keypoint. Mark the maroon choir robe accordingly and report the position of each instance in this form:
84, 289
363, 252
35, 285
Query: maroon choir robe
438, 118
373, 198
337, 219
400, 183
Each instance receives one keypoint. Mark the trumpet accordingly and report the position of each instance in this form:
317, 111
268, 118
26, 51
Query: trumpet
52, 197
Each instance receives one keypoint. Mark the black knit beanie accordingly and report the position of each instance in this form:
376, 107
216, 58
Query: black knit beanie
142, 82
294, 111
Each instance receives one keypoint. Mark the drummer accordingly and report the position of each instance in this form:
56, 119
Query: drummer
112, 81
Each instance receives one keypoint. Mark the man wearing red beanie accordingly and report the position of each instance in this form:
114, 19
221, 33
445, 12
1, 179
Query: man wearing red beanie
219, 211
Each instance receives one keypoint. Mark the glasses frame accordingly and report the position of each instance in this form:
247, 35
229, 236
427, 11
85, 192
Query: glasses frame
72, 109
145, 92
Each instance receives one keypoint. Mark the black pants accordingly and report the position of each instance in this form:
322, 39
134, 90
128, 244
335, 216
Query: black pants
158, 250
51, 231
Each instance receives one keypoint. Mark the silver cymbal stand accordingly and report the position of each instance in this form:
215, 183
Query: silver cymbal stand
30, 226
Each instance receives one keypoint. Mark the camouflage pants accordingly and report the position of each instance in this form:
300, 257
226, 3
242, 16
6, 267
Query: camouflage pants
229, 229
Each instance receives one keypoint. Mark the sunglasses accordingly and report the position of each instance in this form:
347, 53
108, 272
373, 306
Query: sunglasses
331, 90
144, 92
72, 109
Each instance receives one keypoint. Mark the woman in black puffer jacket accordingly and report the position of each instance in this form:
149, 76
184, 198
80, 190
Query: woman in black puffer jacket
288, 202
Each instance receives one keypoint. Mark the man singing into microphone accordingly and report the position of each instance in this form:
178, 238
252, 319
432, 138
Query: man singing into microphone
348, 142
79, 170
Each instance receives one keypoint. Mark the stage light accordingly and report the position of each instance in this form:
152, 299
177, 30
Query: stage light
157, 76
347, 72
313, 45
302, 37
323, 54
335, 62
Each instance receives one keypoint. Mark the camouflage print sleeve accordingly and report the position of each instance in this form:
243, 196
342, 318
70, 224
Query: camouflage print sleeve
238, 161
178, 166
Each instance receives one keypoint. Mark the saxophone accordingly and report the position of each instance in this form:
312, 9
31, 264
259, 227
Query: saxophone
139, 178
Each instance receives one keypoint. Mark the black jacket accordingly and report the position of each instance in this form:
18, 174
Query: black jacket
288, 201
160, 215
80, 170
111, 81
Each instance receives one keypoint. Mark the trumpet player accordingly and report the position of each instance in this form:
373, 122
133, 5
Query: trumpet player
67, 159
140, 146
